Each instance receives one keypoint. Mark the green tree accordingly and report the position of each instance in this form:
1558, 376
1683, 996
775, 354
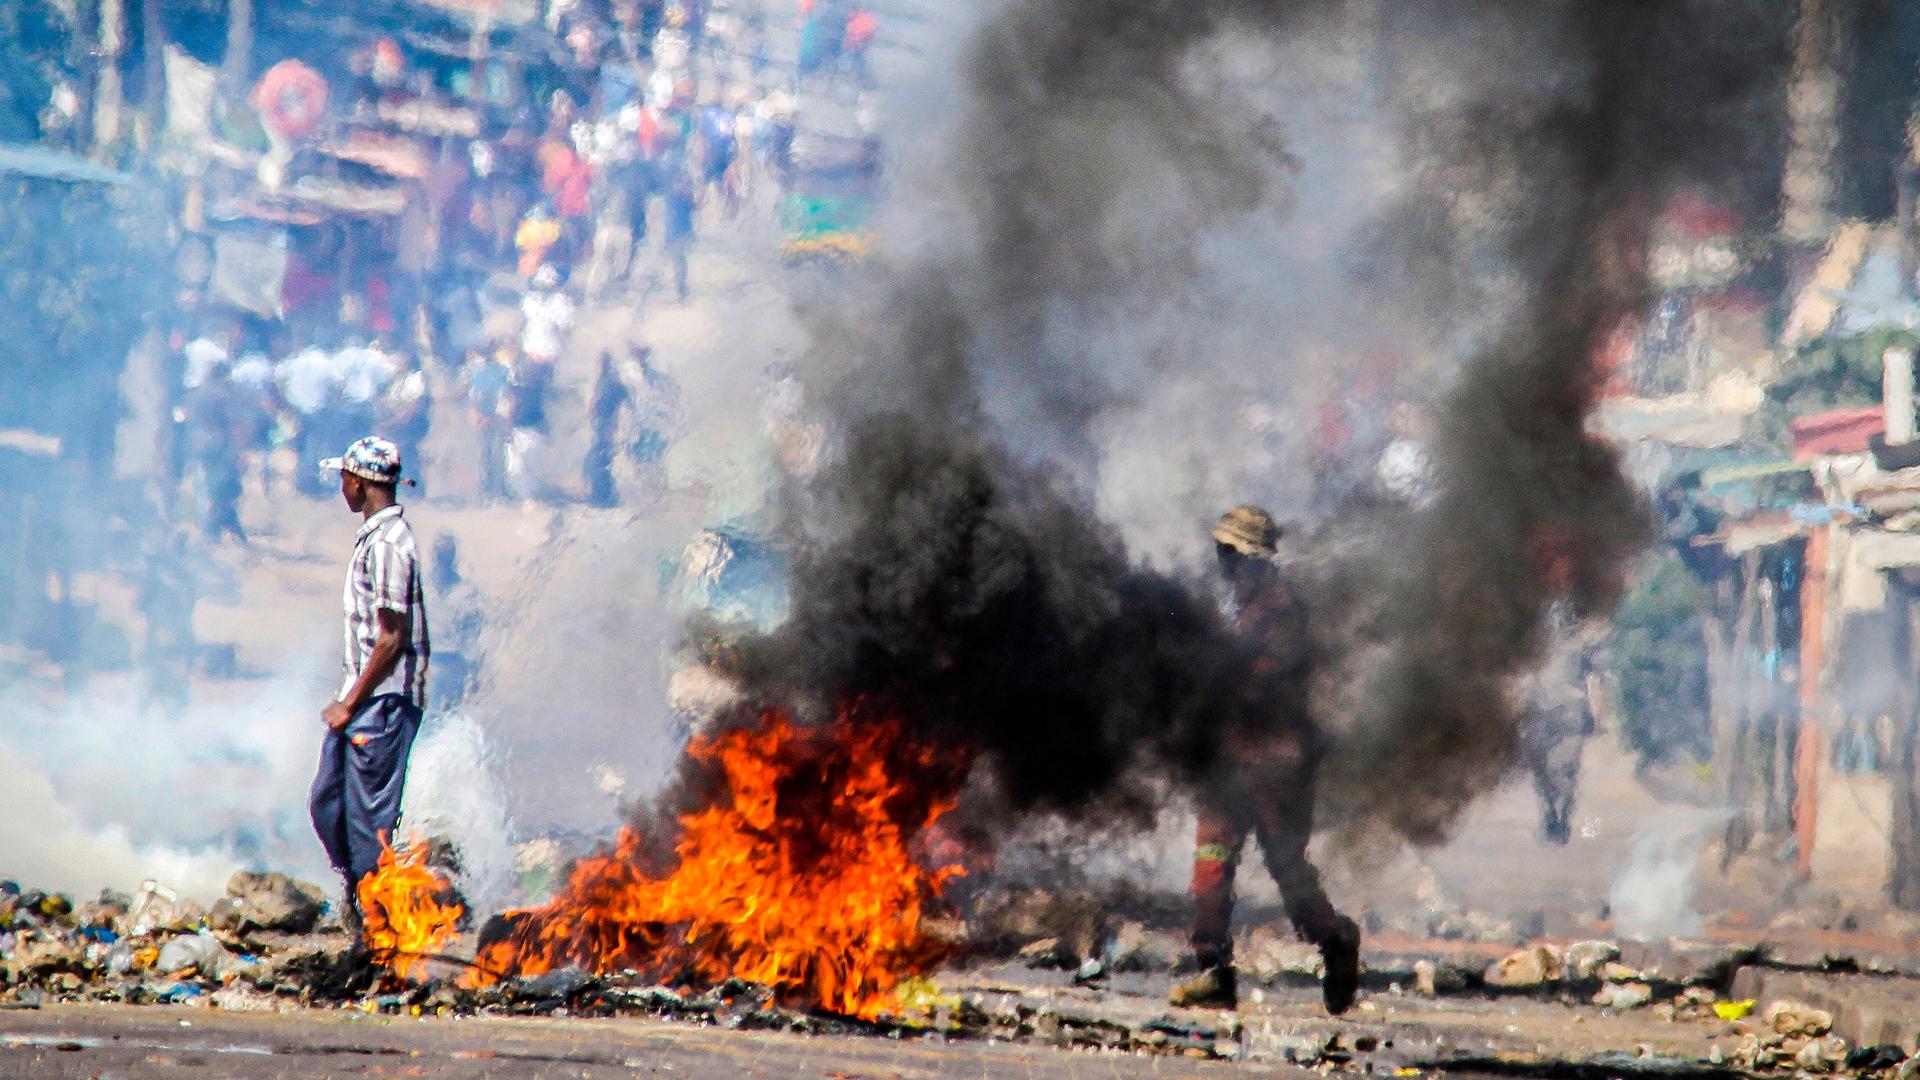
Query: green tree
1659, 656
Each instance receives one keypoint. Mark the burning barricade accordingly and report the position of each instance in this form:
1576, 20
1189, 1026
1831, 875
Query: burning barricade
801, 876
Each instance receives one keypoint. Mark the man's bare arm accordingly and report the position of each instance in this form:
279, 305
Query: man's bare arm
380, 664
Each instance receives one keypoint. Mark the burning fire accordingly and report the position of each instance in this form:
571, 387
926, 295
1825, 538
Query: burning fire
406, 913
800, 875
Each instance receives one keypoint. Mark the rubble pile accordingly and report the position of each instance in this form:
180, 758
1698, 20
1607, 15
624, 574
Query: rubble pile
155, 947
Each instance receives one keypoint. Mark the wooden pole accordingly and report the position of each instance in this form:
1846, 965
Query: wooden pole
1806, 745
1735, 708
153, 63
107, 95
235, 67
84, 48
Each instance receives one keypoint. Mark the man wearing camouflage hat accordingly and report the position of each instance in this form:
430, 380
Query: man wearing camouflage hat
355, 802
1262, 782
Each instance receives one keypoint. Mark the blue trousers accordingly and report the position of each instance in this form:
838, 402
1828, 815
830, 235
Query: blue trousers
363, 770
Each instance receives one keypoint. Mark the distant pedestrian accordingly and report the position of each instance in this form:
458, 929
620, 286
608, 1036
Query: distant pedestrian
487, 379
310, 385
355, 801
406, 409
679, 205
610, 398
548, 312
215, 426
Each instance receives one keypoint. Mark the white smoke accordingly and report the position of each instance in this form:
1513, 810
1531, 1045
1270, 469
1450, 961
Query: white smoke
1652, 899
453, 791
102, 793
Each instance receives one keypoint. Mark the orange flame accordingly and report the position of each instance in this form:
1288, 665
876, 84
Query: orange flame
800, 875
406, 913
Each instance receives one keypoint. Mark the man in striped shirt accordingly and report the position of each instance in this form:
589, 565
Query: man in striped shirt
355, 801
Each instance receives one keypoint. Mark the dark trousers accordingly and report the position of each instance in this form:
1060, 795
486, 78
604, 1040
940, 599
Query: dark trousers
355, 801
598, 470
1273, 801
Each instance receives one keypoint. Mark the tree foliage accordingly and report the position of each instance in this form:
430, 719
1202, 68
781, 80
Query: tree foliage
1659, 656
1829, 373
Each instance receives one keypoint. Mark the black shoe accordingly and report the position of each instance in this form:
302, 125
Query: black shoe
1341, 954
1213, 988
351, 919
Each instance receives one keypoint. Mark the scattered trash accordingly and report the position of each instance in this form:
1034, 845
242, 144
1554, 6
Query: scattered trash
202, 951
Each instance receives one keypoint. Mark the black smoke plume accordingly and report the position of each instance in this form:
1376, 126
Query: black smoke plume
949, 558
946, 564
1577, 124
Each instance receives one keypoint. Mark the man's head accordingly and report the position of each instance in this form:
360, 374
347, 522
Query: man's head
446, 561
369, 473
1245, 540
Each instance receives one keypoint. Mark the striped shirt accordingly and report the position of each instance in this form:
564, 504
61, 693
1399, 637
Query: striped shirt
385, 574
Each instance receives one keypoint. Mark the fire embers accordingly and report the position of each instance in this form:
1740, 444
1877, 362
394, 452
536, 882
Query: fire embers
800, 874
409, 910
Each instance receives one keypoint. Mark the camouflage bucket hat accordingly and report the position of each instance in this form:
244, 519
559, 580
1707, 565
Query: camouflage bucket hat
372, 458
1248, 530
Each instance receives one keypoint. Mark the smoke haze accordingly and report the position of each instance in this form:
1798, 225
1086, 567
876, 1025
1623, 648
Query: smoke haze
1119, 243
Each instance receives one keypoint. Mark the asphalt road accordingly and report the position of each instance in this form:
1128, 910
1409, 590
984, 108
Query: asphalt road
109, 1041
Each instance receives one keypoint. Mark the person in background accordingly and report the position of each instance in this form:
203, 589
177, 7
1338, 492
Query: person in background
610, 398
371, 723
309, 383
679, 205
539, 231
488, 375
548, 312
406, 409
526, 410
456, 661
717, 144
215, 430
257, 411
365, 372
861, 27
567, 180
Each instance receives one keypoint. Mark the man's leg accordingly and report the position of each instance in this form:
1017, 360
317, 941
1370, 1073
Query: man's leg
1216, 858
380, 737
1561, 782
326, 802
327, 806
1285, 822
1218, 838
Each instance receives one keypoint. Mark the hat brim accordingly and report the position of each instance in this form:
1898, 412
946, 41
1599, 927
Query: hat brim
1242, 544
334, 464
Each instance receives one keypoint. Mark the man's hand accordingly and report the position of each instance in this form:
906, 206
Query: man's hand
337, 715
